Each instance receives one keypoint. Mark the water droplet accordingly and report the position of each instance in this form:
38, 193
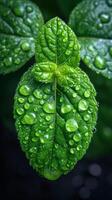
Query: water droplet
24, 90
66, 108
32, 149
68, 52
26, 106
42, 141
61, 99
47, 90
99, 62
79, 147
51, 126
77, 87
56, 146
8, 61
19, 11
87, 93
49, 107
77, 137
30, 99
72, 150
25, 46
74, 95
86, 117
29, 119
71, 125
37, 94
29, 9
20, 111
48, 118
41, 102
34, 139
82, 106
71, 142
17, 61
37, 134
104, 17
86, 134
99, 26
21, 100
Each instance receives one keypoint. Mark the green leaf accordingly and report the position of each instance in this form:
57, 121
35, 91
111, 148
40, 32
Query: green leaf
57, 43
55, 107
92, 22
20, 21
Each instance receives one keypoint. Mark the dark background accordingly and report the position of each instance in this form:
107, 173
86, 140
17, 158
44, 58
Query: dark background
92, 177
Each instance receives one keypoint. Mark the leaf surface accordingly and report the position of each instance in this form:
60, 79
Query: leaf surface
55, 107
19, 25
92, 21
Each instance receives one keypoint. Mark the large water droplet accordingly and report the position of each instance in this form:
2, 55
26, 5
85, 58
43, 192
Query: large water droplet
99, 62
25, 46
24, 90
29, 119
66, 108
82, 106
77, 137
71, 125
104, 17
49, 107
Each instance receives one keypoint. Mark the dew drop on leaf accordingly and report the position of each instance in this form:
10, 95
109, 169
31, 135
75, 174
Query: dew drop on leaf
24, 90
20, 111
87, 94
99, 62
82, 106
66, 108
37, 94
29, 9
8, 61
25, 46
105, 18
26, 106
49, 107
21, 100
72, 150
29, 119
71, 142
77, 137
71, 125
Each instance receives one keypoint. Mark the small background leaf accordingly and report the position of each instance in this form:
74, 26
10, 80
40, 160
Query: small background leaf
19, 25
92, 22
